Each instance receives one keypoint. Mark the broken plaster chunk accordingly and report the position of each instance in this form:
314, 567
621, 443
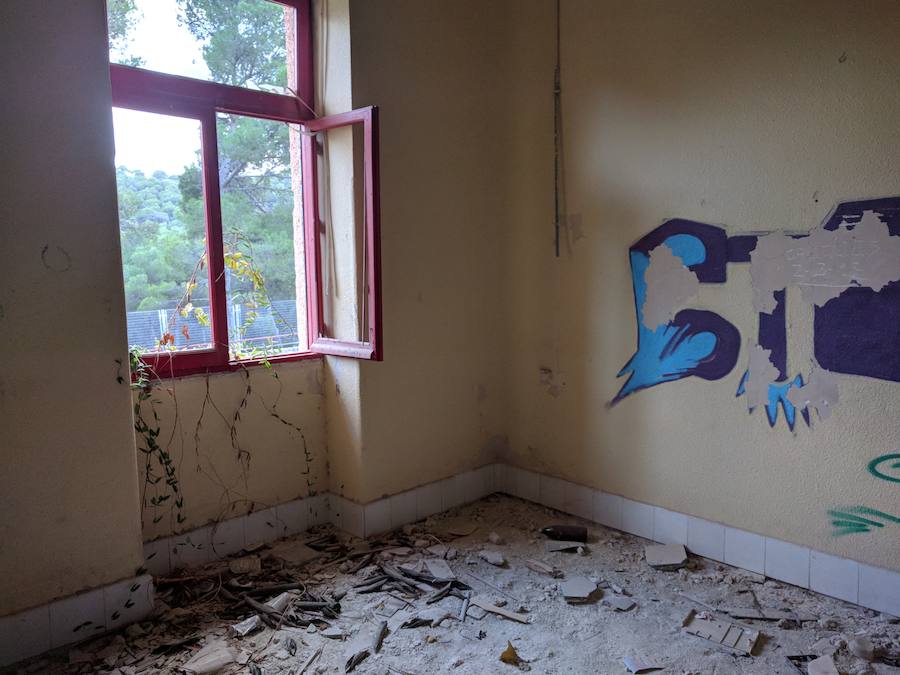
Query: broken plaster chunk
862, 648
578, 589
619, 603
293, 552
824, 665
543, 568
247, 565
246, 626
666, 556
493, 557
439, 569
638, 665
211, 658
723, 633
670, 285
332, 633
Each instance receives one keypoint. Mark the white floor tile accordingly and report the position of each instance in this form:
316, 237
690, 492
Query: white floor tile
294, 515
128, 601
552, 491
77, 617
637, 518
428, 500
706, 538
834, 576
156, 557
879, 589
669, 527
577, 500
377, 516
787, 562
403, 508
227, 537
451, 493
501, 478
745, 550
263, 526
24, 634
190, 549
529, 485
607, 509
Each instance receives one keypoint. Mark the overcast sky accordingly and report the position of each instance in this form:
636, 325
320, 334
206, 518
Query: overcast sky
155, 142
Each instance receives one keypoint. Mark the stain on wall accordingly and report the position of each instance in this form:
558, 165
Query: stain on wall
847, 270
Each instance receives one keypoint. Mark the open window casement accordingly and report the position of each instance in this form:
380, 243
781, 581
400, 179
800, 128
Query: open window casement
341, 217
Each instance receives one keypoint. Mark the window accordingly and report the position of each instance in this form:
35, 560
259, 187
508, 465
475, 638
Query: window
225, 211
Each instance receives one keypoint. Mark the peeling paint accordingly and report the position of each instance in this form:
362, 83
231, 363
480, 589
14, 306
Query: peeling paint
760, 374
825, 263
820, 392
670, 285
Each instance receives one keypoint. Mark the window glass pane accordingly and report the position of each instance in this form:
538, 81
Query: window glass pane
237, 42
259, 172
162, 229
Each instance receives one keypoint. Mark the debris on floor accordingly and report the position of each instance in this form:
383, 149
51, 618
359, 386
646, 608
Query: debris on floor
566, 533
639, 666
510, 655
666, 556
824, 665
423, 599
578, 589
723, 633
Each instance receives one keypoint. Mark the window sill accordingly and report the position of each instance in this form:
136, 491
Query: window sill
231, 366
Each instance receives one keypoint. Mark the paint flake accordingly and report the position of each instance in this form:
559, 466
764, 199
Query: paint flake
760, 374
825, 263
820, 392
670, 285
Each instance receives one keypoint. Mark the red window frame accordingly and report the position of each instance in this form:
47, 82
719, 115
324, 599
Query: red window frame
179, 96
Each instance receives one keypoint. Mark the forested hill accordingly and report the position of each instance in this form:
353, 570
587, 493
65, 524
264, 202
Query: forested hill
159, 248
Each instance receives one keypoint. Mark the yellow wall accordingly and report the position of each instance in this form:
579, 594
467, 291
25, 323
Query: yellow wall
437, 71
757, 117
68, 486
268, 466
493, 347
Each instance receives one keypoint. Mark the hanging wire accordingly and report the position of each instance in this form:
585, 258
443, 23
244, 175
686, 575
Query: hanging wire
556, 138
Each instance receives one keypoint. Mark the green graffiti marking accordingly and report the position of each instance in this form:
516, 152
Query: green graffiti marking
894, 460
852, 520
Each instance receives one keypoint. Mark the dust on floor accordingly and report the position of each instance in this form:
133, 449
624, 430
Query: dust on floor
323, 602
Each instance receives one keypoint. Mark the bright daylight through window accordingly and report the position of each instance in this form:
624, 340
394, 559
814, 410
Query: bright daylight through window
162, 205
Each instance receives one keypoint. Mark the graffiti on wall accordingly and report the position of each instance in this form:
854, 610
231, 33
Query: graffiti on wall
847, 270
860, 519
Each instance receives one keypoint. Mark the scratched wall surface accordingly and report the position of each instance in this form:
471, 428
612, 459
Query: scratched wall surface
756, 382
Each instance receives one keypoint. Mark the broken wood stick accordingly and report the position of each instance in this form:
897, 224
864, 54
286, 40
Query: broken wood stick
488, 607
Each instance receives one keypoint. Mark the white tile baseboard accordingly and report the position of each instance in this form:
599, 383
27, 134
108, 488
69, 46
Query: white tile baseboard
74, 618
842, 578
